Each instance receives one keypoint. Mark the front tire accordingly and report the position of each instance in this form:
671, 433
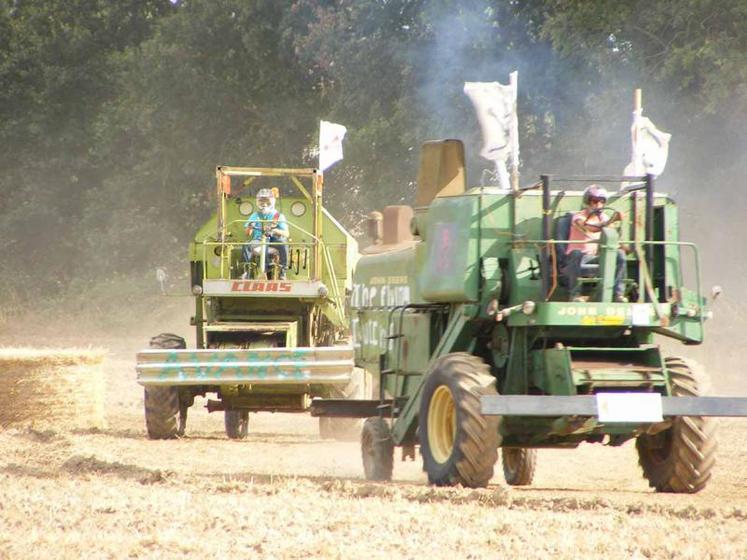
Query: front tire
163, 419
519, 465
345, 429
459, 445
237, 423
681, 458
377, 449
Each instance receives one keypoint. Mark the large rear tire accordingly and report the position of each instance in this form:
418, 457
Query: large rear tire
237, 423
518, 465
162, 408
377, 449
681, 458
459, 445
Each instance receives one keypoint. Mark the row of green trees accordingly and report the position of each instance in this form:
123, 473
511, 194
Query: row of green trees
114, 114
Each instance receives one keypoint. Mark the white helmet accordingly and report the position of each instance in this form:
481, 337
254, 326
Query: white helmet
595, 191
265, 200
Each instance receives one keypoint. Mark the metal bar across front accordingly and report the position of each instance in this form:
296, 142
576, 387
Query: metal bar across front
586, 405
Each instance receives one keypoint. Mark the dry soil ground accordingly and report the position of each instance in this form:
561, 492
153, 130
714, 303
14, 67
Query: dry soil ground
284, 493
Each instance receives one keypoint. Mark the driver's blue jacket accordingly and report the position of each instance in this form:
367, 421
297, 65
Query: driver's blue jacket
259, 219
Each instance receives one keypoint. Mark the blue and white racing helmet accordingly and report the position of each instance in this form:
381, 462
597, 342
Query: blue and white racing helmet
265, 200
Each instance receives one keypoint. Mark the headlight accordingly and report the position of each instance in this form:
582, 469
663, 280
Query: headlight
492, 307
197, 289
298, 209
246, 208
528, 307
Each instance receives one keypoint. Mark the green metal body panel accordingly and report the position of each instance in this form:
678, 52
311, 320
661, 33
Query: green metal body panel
450, 270
455, 337
462, 286
591, 314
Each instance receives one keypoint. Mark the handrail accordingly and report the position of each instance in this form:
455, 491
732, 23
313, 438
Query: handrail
294, 226
206, 245
313, 242
333, 280
688, 244
266, 171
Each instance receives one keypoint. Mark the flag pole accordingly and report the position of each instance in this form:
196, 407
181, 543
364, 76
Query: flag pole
635, 159
637, 113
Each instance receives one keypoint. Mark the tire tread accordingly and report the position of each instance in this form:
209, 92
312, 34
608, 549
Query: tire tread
377, 449
692, 454
162, 403
477, 438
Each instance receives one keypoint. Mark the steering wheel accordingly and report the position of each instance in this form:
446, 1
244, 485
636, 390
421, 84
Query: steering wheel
615, 218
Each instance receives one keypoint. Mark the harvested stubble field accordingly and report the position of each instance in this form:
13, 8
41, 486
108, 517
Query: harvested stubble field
284, 493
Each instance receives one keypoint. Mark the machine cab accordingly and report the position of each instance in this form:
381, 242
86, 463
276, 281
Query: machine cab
317, 248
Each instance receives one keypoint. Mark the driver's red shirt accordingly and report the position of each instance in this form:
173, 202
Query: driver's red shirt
581, 235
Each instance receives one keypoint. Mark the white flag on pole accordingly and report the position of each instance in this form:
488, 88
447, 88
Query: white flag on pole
495, 105
330, 144
650, 147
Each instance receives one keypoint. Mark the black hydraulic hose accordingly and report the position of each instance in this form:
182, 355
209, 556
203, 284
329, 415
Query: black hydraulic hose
650, 223
546, 234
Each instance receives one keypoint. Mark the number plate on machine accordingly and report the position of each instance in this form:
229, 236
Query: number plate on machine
629, 407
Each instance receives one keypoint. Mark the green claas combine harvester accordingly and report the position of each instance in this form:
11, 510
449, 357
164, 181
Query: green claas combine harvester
268, 337
462, 315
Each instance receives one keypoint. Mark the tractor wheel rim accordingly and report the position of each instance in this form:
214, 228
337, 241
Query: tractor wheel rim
441, 424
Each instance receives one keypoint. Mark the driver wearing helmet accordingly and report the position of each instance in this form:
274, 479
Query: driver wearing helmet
268, 222
586, 229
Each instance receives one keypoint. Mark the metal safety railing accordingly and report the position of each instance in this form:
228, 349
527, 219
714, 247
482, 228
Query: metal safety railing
233, 262
644, 271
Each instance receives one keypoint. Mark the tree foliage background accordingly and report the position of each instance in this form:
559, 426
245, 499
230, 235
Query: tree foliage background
113, 115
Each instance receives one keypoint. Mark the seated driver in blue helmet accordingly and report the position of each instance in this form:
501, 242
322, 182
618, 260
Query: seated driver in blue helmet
268, 222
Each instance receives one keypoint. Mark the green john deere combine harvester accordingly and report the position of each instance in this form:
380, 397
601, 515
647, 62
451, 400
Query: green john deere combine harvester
462, 316
262, 343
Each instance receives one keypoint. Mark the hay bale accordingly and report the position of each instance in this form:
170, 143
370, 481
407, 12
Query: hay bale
52, 388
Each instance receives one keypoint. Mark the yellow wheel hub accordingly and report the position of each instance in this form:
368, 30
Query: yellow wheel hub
441, 424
